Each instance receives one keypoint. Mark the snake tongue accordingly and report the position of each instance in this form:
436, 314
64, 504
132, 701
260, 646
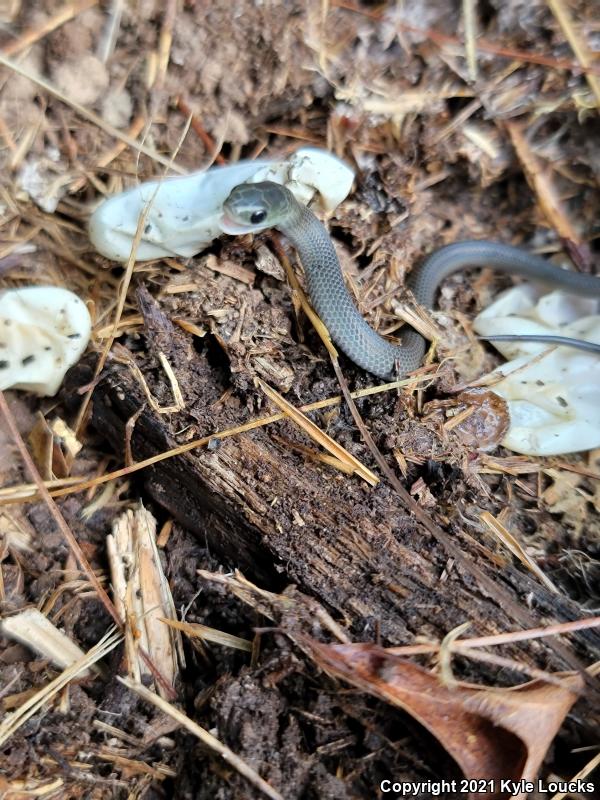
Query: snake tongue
227, 225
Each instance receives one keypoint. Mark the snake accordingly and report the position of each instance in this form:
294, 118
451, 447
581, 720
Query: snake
253, 207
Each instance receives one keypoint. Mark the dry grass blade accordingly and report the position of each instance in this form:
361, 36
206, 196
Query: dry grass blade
126, 280
198, 631
179, 403
89, 115
165, 41
205, 737
507, 637
579, 46
445, 653
513, 665
533, 633
314, 455
509, 540
318, 435
107, 44
24, 491
12, 722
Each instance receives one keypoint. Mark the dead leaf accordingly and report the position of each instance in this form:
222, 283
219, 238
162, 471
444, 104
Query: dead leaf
492, 734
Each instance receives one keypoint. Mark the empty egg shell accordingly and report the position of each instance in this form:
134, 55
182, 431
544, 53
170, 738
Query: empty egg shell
43, 331
552, 392
183, 213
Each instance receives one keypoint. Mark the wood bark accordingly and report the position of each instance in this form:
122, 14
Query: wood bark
282, 519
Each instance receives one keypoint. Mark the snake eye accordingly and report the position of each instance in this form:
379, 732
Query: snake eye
258, 216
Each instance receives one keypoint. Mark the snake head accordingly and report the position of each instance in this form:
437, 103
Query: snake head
253, 207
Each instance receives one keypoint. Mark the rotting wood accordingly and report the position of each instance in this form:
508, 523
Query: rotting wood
284, 520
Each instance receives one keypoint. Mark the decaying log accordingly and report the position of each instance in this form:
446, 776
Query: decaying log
282, 518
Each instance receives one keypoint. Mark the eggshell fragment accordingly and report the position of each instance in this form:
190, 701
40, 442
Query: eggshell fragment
552, 392
43, 331
183, 213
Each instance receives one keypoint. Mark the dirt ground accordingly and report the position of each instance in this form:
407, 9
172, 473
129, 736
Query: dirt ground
276, 551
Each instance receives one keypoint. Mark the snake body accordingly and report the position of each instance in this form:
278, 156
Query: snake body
254, 207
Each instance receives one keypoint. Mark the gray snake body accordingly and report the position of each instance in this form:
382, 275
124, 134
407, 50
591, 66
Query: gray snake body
261, 205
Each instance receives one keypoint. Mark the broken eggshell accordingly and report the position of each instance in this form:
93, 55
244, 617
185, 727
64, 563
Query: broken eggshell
43, 331
183, 213
552, 392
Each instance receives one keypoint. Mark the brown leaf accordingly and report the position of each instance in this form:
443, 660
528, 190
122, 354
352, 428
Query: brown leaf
492, 734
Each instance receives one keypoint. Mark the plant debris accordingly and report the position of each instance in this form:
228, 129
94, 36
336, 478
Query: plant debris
371, 523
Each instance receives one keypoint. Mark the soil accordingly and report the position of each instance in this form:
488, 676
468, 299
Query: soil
388, 88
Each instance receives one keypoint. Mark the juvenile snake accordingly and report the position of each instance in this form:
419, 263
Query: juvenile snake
256, 206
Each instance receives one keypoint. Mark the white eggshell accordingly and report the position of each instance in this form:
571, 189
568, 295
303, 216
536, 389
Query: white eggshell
552, 392
183, 213
43, 331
